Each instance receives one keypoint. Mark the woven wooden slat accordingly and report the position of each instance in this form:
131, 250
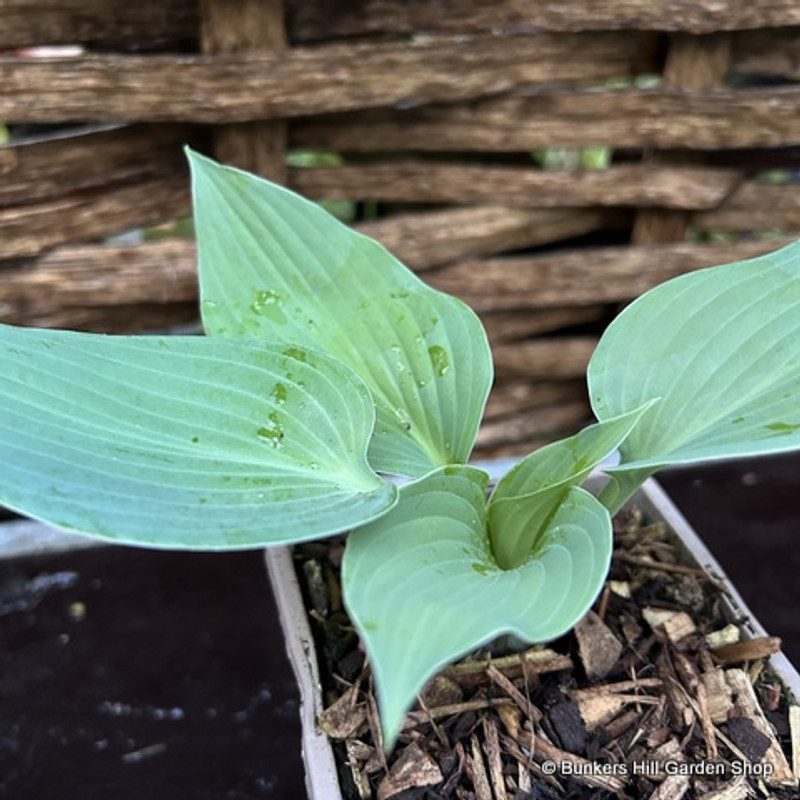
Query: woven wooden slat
312, 18
28, 23
254, 27
432, 182
236, 88
454, 130
63, 165
586, 276
24, 23
669, 119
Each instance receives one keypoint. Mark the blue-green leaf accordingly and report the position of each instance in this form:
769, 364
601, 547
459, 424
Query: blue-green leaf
720, 347
543, 479
277, 267
423, 587
183, 442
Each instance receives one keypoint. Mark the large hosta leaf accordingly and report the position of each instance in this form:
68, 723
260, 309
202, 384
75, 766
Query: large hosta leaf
183, 441
423, 588
543, 479
721, 349
277, 267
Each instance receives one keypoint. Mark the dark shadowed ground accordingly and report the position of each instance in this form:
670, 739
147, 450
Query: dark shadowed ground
748, 513
136, 675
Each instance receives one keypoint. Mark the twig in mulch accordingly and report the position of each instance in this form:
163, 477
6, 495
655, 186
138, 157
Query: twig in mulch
750, 650
533, 661
650, 563
522, 701
416, 718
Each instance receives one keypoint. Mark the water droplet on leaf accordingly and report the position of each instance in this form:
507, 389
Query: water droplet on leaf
439, 359
268, 304
296, 353
278, 393
271, 434
401, 415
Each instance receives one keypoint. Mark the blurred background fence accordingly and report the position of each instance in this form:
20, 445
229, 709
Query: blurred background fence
545, 161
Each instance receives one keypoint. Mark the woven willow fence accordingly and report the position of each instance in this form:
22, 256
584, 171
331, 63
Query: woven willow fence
545, 161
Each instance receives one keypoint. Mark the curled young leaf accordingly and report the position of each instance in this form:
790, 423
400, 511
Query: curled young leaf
527, 496
280, 268
183, 442
423, 588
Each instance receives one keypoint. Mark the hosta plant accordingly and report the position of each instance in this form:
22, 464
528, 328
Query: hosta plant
328, 370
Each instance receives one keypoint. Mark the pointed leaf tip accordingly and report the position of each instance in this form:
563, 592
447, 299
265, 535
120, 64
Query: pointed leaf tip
275, 266
721, 348
183, 442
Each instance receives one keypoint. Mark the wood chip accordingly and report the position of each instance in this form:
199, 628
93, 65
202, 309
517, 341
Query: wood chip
618, 687
620, 588
649, 563
355, 755
373, 720
670, 626
565, 725
673, 787
582, 770
414, 718
511, 718
749, 650
599, 709
476, 769
455, 776
794, 731
529, 662
598, 705
494, 757
442, 690
736, 789
620, 725
748, 738
719, 695
746, 705
680, 710
345, 717
670, 750
690, 677
730, 634
598, 647
524, 778
414, 768
522, 702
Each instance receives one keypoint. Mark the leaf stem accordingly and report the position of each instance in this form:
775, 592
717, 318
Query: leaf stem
621, 487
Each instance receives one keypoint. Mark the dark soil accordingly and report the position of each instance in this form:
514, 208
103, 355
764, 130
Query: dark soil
136, 675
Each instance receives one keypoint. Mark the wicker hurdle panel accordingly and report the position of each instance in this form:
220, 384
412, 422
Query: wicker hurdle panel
546, 162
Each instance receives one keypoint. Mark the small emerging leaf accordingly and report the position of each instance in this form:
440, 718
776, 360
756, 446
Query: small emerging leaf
543, 479
183, 442
423, 588
720, 347
278, 267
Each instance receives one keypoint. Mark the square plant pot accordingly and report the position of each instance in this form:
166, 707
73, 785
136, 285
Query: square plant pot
322, 772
